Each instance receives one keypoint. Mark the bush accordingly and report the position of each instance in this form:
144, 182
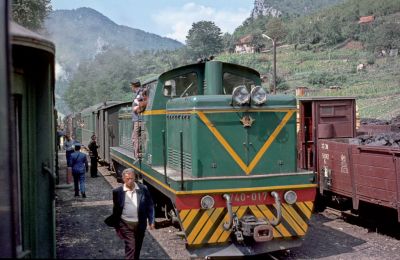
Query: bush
371, 60
281, 84
326, 79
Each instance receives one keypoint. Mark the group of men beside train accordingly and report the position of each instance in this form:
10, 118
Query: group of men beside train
77, 161
133, 207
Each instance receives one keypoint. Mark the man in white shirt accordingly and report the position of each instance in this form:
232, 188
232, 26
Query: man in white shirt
133, 208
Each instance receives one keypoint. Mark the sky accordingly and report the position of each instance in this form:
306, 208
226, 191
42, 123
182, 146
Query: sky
168, 18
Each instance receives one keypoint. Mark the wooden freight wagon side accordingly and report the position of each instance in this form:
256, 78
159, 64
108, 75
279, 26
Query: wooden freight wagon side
363, 173
335, 174
377, 175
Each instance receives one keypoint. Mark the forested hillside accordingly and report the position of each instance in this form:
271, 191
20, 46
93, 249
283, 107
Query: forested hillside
107, 76
290, 7
320, 50
285, 9
83, 33
80, 36
330, 25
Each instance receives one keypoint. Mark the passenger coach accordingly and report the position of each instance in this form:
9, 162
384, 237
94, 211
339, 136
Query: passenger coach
27, 143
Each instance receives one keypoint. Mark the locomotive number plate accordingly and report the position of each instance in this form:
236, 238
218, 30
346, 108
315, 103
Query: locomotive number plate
254, 197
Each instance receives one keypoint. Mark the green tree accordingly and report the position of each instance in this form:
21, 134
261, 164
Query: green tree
276, 29
204, 39
385, 36
30, 13
257, 40
107, 76
104, 78
228, 42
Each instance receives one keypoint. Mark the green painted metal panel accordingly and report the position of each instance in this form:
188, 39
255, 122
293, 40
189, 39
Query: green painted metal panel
7, 248
125, 129
34, 101
224, 102
213, 72
210, 156
154, 126
157, 178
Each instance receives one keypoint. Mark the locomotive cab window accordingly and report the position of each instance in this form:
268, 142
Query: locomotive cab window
150, 93
230, 81
181, 86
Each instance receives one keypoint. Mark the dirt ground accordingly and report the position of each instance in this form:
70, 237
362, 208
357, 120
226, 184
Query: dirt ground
82, 234
80, 229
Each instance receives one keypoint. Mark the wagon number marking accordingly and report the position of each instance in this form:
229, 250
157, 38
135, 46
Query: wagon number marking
254, 196
325, 157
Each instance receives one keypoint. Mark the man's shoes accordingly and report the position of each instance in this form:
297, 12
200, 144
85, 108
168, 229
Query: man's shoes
83, 195
76, 195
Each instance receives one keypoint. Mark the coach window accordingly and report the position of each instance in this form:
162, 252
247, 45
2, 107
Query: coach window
181, 86
230, 81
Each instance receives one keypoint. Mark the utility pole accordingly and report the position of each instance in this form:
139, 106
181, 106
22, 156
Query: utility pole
274, 62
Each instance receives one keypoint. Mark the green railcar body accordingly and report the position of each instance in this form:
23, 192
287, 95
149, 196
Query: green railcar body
28, 197
91, 121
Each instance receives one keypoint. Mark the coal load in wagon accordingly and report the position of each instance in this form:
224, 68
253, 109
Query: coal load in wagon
384, 139
375, 126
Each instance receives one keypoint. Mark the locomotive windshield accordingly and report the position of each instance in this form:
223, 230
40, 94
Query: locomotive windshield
181, 86
230, 81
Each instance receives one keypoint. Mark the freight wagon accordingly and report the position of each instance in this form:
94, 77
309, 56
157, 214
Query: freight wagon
346, 168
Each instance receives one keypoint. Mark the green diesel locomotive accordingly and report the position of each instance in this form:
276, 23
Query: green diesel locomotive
219, 153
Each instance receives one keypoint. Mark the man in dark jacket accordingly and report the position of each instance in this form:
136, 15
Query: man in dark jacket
133, 208
93, 154
79, 166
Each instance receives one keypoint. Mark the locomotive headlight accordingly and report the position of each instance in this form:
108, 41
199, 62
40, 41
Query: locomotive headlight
207, 202
290, 197
240, 95
258, 95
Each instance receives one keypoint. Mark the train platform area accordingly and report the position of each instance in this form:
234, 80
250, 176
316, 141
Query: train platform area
80, 229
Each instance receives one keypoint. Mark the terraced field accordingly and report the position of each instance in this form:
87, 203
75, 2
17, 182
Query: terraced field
334, 72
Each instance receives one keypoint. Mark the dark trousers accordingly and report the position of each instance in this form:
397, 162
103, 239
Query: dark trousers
133, 238
79, 182
93, 166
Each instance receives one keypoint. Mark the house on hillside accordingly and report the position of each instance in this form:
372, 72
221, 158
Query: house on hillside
245, 45
366, 19
365, 22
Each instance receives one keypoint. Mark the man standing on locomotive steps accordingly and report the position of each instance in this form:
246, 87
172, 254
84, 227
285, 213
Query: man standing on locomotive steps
136, 117
132, 208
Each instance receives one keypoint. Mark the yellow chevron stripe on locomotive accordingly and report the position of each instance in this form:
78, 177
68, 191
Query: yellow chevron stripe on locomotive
206, 226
